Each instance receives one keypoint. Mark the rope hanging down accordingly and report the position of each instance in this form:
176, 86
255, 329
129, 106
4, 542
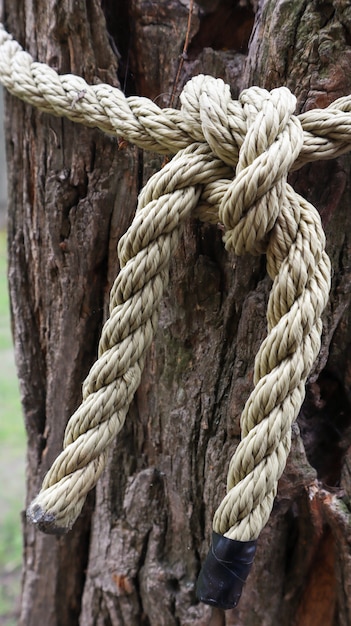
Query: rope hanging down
210, 136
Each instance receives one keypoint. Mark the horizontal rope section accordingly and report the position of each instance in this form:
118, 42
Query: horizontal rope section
231, 164
208, 113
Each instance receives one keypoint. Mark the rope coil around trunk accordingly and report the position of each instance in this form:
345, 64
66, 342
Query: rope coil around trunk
211, 135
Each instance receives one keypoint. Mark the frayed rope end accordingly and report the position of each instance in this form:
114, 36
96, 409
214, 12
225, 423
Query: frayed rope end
45, 521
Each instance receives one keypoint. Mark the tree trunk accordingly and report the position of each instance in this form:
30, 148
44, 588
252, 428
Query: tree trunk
135, 552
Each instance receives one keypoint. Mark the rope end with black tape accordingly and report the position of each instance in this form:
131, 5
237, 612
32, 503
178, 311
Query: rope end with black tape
225, 570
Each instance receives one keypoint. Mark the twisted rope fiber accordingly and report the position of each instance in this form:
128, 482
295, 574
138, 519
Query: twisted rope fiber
143, 123
211, 135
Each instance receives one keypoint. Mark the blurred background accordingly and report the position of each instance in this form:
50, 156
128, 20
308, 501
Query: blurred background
12, 436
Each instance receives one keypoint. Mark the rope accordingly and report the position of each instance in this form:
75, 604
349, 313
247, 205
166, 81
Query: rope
208, 113
211, 135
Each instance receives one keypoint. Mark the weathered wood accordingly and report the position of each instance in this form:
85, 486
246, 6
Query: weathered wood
63, 230
139, 544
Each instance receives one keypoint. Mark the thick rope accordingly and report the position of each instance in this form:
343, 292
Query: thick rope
261, 213
144, 253
208, 113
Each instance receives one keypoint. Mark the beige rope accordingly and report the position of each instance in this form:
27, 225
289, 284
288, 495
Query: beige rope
261, 213
144, 252
208, 113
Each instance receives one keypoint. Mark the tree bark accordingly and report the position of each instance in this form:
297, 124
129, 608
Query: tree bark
134, 555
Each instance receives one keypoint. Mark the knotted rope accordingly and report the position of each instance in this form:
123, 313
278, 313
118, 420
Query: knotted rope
211, 135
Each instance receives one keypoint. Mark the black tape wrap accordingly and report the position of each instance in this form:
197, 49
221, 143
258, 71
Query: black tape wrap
225, 571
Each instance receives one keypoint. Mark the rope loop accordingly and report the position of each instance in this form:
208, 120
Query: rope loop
273, 141
209, 114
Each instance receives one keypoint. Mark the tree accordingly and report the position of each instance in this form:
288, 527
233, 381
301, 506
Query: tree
133, 556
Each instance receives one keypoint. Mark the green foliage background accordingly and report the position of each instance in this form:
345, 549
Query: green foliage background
12, 463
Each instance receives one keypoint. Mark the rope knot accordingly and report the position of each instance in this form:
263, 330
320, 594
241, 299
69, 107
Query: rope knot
261, 137
273, 141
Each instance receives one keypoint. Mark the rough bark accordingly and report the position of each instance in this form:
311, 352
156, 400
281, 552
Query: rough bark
134, 555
